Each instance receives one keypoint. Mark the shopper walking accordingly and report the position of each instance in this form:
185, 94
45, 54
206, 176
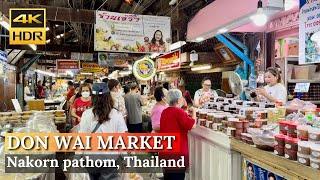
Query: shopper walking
133, 103
82, 103
158, 108
118, 101
102, 118
176, 120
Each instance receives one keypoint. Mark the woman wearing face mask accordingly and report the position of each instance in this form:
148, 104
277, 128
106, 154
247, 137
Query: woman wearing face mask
116, 94
82, 103
158, 108
274, 91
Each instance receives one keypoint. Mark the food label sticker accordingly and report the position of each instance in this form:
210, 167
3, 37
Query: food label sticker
288, 146
302, 160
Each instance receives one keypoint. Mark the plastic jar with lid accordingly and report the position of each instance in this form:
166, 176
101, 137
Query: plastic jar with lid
315, 163
210, 117
283, 127
203, 114
292, 129
302, 132
314, 134
304, 147
280, 140
290, 154
218, 118
291, 143
303, 159
278, 150
315, 151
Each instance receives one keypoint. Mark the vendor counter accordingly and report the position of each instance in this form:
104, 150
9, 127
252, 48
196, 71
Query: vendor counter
214, 155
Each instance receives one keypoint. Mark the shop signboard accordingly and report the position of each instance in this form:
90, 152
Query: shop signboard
169, 61
134, 33
91, 68
309, 32
113, 59
67, 64
144, 69
3, 56
284, 22
252, 171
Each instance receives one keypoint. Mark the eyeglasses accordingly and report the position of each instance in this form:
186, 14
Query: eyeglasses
208, 85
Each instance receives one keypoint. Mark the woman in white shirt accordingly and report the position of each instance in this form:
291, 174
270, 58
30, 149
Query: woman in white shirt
274, 91
102, 118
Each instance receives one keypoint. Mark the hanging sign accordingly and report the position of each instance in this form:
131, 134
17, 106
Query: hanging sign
82, 56
252, 171
169, 61
284, 22
309, 32
119, 32
144, 69
67, 64
91, 68
113, 59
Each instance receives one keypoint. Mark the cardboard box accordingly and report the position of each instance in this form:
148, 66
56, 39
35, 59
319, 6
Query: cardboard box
304, 71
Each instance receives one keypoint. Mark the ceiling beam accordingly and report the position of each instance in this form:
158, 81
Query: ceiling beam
57, 13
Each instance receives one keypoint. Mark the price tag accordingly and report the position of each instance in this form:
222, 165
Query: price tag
302, 87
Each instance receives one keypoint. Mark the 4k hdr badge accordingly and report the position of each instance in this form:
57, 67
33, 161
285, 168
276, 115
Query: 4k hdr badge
27, 26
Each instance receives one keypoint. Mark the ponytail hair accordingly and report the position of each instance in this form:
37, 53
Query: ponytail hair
275, 72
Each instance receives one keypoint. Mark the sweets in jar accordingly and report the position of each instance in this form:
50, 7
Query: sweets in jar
304, 147
314, 134
280, 140
303, 159
292, 129
291, 143
302, 132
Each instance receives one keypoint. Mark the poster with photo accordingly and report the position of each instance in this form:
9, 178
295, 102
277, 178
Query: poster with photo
252, 171
113, 59
309, 32
118, 32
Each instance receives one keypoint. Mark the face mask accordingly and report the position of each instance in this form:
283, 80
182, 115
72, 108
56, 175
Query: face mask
85, 94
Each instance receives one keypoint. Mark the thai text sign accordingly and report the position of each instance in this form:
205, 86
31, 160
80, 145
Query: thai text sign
169, 61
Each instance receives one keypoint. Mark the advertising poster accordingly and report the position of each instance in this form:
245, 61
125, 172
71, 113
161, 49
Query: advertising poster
309, 32
67, 64
254, 172
91, 68
169, 61
113, 59
120, 32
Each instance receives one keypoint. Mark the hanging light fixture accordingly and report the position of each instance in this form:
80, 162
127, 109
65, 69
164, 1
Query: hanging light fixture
259, 19
128, 1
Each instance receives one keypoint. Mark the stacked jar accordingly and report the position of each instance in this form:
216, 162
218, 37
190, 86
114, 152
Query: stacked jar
202, 118
291, 148
314, 137
279, 144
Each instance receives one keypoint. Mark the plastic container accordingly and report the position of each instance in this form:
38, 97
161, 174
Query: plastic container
291, 143
278, 150
303, 159
280, 140
292, 129
315, 163
290, 154
239, 124
302, 132
202, 122
283, 127
314, 134
232, 122
218, 118
304, 147
315, 151
203, 115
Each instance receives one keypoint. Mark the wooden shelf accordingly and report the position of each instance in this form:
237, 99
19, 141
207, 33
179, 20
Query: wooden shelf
303, 81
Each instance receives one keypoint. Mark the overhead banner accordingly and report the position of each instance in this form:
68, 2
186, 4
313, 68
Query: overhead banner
309, 32
113, 59
252, 171
169, 61
82, 56
91, 68
119, 32
144, 69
